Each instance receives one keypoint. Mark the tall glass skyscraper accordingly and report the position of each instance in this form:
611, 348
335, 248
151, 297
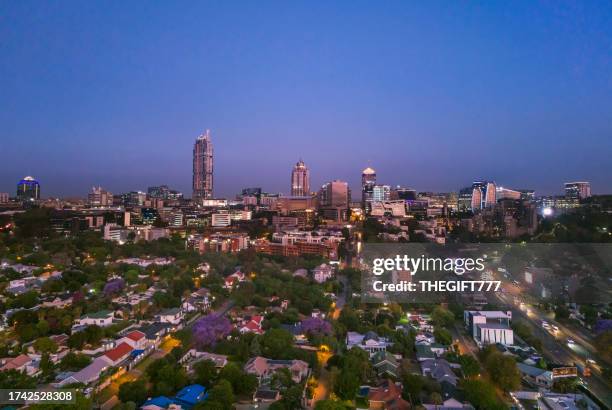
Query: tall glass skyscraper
300, 180
203, 167
368, 180
28, 189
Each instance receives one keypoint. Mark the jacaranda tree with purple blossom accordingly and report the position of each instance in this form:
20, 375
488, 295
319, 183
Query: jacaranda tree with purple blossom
316, 326
210, 329
114, 286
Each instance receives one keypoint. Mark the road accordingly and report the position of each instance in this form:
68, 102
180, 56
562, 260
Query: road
556, 348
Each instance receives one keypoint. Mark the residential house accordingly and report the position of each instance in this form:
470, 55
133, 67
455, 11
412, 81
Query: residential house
385, 363
370, 342
253, 325
535, 375
193, 356
323, 273
136, 339
118, 354
264, 368
102, 318
172, 316
387, 396
22, 363
450, 404
232, 280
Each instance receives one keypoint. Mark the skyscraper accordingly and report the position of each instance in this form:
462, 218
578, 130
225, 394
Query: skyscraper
100, 197
28, 189
203, 167
368, 180
334, 200
300, 180
483, 195
577, 190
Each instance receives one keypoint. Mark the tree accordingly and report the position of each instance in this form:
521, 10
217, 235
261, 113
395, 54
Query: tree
205, 372
442, 317
276, 343
210, 329
503, 371
14, 379
45, 345
443, 336
469, 365
241, 382
347, 385
481, 394
221, 395
413, 385
135, 391
329, 405
603, 342
74, 361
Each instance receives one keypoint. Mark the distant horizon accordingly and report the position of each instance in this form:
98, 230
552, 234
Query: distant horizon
355, 185
432, 95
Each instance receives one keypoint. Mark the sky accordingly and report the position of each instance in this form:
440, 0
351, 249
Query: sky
433, 95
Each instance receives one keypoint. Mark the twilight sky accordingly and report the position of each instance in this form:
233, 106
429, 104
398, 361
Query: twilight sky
430, 94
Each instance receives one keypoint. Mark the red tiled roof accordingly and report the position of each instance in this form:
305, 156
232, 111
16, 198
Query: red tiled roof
135, 335
118, 352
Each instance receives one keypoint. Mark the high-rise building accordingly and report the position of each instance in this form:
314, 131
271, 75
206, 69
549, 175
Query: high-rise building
381, 193
577, 190
163, 192
4, 197
505, 193
300, 180
334, 200
99, 197
403, 193
368, 180
483, 195
28, 189
203, 167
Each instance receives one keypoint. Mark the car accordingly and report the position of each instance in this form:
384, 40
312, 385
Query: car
555, 328
545, 324
570, 341
591, 361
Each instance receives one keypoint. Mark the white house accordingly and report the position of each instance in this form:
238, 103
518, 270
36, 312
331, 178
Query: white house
323, 273
102, 318
173, 316
370, 342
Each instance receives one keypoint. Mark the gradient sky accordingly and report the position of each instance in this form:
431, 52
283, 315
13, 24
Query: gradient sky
431, 94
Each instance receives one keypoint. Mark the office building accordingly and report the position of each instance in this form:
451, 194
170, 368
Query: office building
163, 192
381, 193
300, 180
99, 197
368, 180
334, 200
28, 189
577, 190
483, 195
403, 193
4, 197
489, 327
505, 193
203, 167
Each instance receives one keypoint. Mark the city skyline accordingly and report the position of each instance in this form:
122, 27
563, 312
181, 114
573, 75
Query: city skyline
526, 107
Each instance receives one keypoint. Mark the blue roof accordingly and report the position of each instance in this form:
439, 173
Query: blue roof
192, 394
159, 401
